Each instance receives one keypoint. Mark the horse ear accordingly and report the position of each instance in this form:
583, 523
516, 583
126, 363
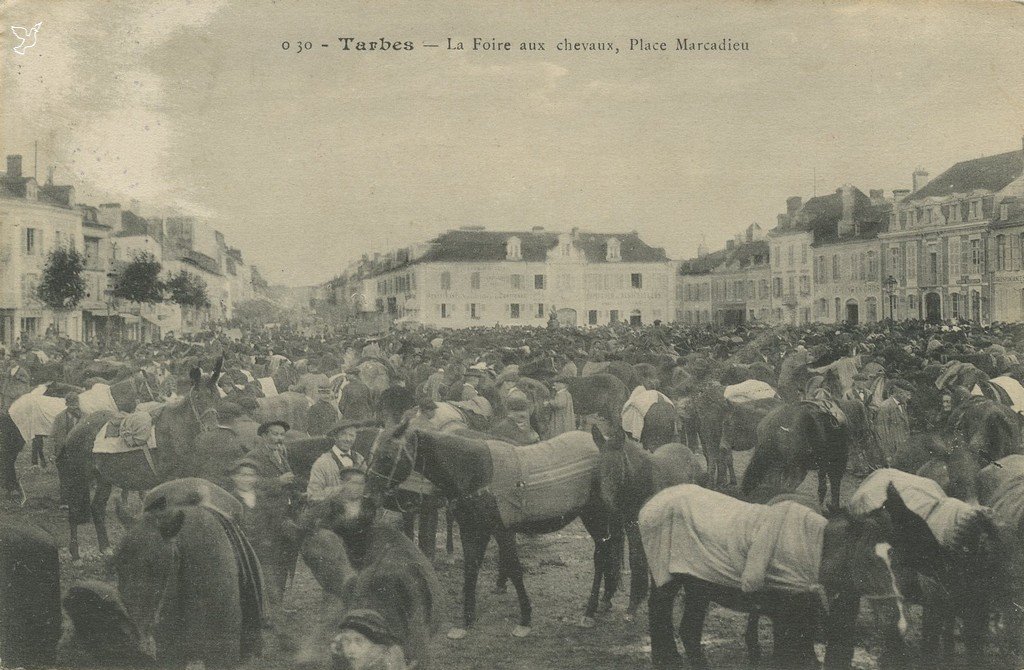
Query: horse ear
170, 526
195, 375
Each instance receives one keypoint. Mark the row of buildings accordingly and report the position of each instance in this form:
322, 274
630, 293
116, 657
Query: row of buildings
948, 248
34, 218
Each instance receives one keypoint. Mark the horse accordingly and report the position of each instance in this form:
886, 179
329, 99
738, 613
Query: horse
288, 406
126, 393
177, 427
373, 565
793, 439
839, 558
601, 393
190, 581
30, 618
473, 473
629, 475
966, 576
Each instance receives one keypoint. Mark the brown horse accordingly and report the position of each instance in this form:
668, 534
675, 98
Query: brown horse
177, 426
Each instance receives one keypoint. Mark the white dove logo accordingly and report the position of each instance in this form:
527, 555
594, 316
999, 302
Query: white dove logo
25, 35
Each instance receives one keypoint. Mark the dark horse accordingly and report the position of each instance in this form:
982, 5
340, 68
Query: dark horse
463, 469
855, 561
30, 619
178, 427
190, 581
630, 475
792, 440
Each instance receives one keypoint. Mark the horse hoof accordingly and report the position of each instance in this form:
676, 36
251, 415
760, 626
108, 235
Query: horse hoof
521, 631
457, 633
586, 622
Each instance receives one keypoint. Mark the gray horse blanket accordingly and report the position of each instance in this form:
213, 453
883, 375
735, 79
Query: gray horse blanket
1001, 487
544, 480
925, 498
690, 530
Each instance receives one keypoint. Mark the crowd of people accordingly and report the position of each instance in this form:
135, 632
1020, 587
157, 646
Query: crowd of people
910, 376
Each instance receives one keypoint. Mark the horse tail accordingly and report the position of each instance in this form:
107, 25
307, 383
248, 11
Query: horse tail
767, 456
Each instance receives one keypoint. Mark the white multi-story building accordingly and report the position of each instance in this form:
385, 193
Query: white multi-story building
475, 277
33, 220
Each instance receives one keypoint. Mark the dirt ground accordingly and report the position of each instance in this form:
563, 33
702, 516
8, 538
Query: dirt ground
558, 580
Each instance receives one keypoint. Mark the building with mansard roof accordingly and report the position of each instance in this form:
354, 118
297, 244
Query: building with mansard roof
955, 245
475, 277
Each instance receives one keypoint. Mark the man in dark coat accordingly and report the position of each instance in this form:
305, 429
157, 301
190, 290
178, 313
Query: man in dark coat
322, 414
16, 381
62, 426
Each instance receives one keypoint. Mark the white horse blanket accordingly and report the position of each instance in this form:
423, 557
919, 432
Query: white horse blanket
544, 480
33, 413
268, 386
1001, 487
1013, 389
924, 497
97, 399
635, 410
690, 530
749, 391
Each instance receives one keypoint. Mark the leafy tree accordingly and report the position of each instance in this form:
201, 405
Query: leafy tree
187, 289
255, 313
62, 286
139, 280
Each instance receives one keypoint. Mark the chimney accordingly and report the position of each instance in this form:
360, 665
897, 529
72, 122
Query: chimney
899, 193
877, 196
14, 167
730, 244
792, 205
575, 232
135, 207
110, 215
783, 221
920, 179
702, 249
846, 226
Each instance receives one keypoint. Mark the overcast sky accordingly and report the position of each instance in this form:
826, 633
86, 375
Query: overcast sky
307, 160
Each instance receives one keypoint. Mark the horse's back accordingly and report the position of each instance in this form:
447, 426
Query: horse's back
676, 463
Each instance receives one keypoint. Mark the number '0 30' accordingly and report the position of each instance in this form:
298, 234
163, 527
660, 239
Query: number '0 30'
299, 46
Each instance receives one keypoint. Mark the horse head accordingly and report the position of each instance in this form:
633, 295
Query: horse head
392, 461
617, 471
204, 395
146, 565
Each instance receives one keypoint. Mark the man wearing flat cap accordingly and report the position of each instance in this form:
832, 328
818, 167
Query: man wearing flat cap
325, 477
366, 641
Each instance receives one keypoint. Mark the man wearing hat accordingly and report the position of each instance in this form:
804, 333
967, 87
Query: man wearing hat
325, 477
62, 426
515, 427
563, 414
367, 642
322, 414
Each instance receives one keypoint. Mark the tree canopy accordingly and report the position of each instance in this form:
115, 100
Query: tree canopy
62, 286
187, 289
139, 280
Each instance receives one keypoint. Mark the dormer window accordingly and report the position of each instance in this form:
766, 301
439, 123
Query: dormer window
513, 249
614, 250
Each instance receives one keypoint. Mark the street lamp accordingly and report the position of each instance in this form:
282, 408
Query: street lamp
889, 287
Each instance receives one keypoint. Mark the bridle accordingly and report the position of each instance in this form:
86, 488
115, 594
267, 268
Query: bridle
203, 428
147, 387
390, 480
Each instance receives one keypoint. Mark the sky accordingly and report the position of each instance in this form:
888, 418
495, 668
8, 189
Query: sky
307, 160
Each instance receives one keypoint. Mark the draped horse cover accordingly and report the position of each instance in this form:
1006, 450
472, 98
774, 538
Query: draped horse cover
1001, 487
925, 498
544, 480
635, 410
33, 413
97, 399
690, 530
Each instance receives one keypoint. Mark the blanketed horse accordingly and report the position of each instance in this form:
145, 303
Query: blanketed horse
177, 427
190, 581
782, 560
500, 489
601, 393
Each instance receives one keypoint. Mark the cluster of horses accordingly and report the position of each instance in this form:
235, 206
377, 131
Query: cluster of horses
198, 437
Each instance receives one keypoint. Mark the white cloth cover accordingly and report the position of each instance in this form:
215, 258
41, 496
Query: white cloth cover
635, 409
97, 399
690, 530
268, 386
922, 496
749, 390
1013, 389
33, 413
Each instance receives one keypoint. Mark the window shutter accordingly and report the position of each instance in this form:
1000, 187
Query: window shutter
965, 250
24, 241
954, 257
40, 242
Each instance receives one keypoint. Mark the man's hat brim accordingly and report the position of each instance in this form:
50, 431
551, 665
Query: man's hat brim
264, 427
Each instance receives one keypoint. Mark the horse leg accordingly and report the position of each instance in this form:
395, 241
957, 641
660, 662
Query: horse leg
841, 630
474, 544
752, 638
638, 581
73, 540
730, 467
835, 478
98, 510
449, 542
822, 485
614, 553
508, 557
691, 628
501, 584
428, 527
660, 608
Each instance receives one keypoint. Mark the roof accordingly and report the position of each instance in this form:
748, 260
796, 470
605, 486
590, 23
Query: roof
489, 246
741, 256
821, 216
990, 173
704, 264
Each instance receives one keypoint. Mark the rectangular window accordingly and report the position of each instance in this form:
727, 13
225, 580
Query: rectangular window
474, 281
790, 254
1001, 259
472, 311
446, 281
513, 310
835, 267
912, 262
954, 259
803, 255
30, 241
637, 280
777, 287
614, 316
975, 209
954, 213
538, 281
872, 266
592, 317
540, 310
792, 286
444, 311
805, 285
976, 256
515, 282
